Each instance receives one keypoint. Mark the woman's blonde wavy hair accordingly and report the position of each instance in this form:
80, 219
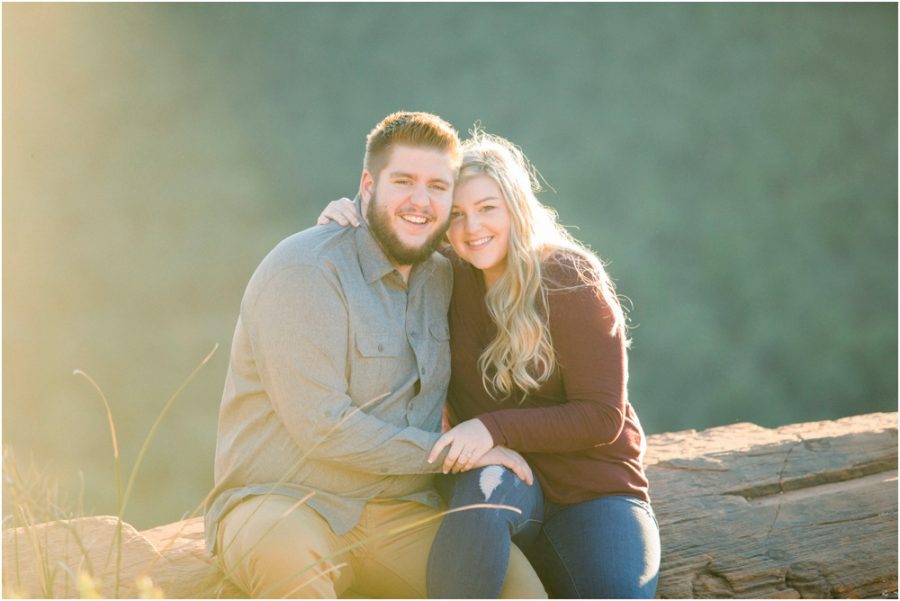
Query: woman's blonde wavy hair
521, 356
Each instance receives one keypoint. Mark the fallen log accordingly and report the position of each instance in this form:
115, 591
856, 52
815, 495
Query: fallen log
803, 511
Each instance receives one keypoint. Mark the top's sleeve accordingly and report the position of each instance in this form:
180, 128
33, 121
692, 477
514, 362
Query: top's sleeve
593, 365
298, 324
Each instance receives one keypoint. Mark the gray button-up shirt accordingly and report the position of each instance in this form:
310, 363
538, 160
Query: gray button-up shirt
336, 381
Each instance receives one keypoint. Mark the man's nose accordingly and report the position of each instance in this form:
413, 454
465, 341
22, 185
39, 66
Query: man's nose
420, 196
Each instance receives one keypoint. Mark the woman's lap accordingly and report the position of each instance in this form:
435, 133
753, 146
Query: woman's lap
603, 548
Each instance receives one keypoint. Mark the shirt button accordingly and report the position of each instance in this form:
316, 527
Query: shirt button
412, 334
380, 348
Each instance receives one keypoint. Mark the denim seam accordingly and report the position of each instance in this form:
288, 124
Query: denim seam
565, 566
645, 506
521, 527
648, 509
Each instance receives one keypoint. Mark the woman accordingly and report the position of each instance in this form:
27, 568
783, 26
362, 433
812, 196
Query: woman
539, 365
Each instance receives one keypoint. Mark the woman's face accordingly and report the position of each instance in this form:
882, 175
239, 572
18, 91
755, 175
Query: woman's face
479, 226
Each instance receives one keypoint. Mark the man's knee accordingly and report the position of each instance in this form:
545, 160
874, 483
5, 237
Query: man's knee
270, 551
277, 573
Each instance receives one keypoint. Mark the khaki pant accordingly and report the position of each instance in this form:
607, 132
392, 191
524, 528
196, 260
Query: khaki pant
269, 550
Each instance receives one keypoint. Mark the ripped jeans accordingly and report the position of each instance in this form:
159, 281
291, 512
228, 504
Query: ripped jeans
606, 548
469, 555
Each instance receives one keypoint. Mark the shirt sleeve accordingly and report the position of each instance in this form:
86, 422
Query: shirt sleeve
593, 365
298, 325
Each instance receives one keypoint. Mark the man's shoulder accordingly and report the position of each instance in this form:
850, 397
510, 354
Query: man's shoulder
318, 251
313, 246
440, 273
443, 264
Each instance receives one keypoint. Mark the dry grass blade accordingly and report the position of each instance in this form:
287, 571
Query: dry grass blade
387, 534
152, 433
117, 469
321, 574
38, 551
109, 416
290, 472
25, 495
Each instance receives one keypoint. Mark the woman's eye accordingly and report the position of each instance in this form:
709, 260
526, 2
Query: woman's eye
486, 208
455, 214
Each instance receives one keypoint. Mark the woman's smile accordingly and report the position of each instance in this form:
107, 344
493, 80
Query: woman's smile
480, 224
480, 242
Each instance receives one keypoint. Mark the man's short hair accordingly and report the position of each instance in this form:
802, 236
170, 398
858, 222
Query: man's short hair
409, 129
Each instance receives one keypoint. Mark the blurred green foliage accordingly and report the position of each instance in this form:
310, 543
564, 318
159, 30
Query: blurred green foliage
735, 164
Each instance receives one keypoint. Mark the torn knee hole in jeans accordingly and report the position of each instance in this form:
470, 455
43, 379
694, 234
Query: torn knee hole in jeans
490, 479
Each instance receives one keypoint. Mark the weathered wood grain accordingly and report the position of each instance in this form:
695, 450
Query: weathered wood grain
807, 510
188, 571
803, 511
45, 560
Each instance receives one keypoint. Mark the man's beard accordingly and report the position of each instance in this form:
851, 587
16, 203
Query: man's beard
397, 252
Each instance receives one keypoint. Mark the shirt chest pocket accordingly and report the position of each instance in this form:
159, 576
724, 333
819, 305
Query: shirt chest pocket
379, 364
377, 367
378, 345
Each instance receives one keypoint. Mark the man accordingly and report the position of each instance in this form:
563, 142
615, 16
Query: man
338, 372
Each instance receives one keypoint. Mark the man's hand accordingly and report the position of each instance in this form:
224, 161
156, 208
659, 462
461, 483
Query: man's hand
508, 459
342, 211
468, 442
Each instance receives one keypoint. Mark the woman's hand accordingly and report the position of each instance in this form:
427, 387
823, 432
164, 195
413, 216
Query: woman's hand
510, 460
341, 211
468, 441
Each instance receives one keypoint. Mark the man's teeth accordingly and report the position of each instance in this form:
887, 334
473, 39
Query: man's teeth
415, 219
480, 241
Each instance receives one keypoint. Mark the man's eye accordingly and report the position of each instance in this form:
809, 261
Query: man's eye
439, 187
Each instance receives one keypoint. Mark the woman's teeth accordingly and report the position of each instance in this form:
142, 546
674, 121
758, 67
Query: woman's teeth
480, 242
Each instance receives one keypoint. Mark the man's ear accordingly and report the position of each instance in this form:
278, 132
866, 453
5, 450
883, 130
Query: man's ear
366, 189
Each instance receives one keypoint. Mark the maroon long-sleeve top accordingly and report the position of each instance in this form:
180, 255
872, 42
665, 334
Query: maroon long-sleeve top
578, 431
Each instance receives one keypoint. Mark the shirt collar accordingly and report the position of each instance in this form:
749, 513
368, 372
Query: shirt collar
374, 263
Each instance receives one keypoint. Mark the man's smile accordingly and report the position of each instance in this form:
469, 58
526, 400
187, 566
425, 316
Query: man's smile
415, 219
